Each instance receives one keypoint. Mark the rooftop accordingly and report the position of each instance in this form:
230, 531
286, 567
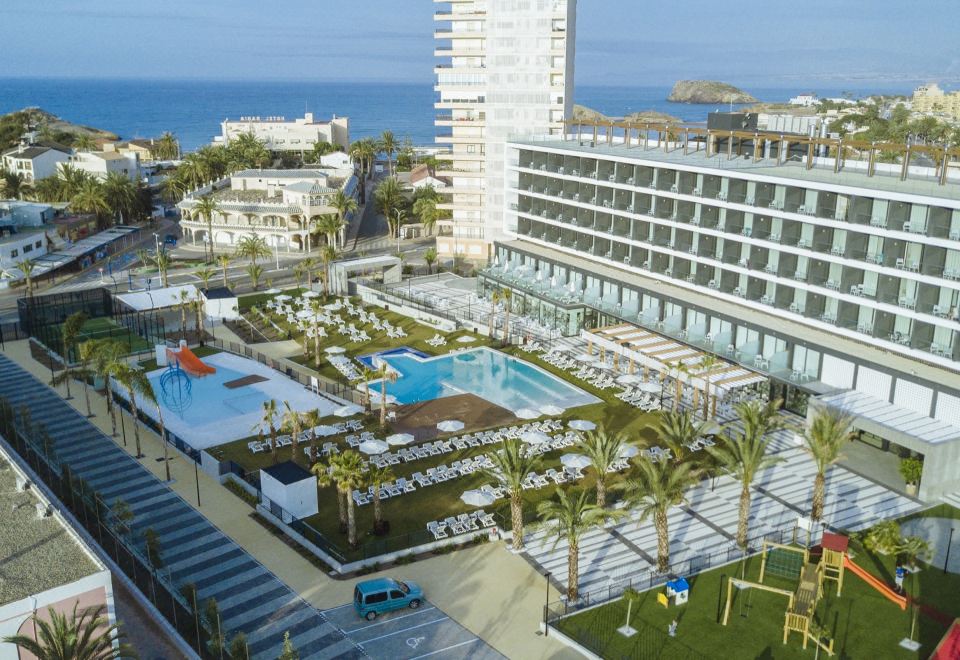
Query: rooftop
884, 413
288, 473
309, 188
282, 174
38, 553
27, 153
218, 293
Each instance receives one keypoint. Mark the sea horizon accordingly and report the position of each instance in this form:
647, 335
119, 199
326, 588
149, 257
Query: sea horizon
193, 108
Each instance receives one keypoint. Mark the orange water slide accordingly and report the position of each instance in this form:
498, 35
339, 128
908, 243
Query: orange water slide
876, 583
190, 363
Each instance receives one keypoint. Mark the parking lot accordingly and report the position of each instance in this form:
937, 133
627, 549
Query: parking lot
411, 634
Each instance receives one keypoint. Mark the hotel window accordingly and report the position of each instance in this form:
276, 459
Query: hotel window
27, 248
14, 254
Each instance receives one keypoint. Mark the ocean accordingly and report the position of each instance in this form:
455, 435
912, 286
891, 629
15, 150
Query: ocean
194, 109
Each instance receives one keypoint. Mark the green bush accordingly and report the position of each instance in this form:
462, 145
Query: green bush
240, 492
911, 470
403, 560
883, 538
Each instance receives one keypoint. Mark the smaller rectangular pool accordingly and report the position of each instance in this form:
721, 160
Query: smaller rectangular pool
499, 378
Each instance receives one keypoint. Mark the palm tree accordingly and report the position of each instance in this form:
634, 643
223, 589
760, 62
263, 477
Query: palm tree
704, 367
388, 197
327, 474
292, 422
150, 395
344, 205
27, 266
308, 265
311, 419
135, 382
570, 516
205, 208
827, 433
506, 295
120, 194
255, 272
90, 198
330, 226
494, 301
223, 261
86, 355
14, 184
206, 274
349, 476
425, 208
72, 329
86, 634
745, 455
653, 490
252, 247
328, 254
316, 308
430, 257
385, 374
163, 262
603, 450
678, 429
678, 369
388, 145
104, 353
268, 423
511, 465
84, 142
70, 181
167, 147
199, 310
378, 477
184, 300
298, 273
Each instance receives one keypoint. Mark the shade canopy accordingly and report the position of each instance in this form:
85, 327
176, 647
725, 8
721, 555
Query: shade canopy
586, 357
373, 446
575, 461
325, 429
305, 314
477, 498
629, 379
650, 387
272, 291
535, 437
551, 409
450, 425
400, 439
348, 410
527, 413
336, 350
283, 297
629, 451
310, 294
582, 425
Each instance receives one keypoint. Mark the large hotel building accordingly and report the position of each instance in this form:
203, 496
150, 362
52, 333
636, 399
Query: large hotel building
505, 70
838, 280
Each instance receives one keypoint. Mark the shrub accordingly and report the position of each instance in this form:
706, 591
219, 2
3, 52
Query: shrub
883, 538
241, 492
403, 560
911, 470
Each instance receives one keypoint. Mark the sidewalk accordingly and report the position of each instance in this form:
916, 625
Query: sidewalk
493, 593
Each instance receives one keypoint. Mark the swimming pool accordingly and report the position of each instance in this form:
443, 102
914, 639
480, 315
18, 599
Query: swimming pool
499, 378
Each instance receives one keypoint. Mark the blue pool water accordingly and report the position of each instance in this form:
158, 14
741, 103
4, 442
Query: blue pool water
207, 399
403, 350
500, 379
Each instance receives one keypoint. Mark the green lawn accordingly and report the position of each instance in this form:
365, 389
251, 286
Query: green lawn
862, 622
104, 327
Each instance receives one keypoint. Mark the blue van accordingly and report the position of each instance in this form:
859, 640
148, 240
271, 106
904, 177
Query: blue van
382, 595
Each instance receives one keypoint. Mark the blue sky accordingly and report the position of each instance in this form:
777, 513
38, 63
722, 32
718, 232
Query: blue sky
769, 43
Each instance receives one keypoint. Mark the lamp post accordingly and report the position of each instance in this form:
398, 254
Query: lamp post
546, 607
946, 560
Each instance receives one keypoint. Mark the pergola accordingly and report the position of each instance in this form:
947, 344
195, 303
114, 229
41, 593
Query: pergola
650, 350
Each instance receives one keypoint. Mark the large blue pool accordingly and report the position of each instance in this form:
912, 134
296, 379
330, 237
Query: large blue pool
499, 378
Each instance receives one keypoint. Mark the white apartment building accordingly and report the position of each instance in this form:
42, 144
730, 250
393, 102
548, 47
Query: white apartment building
278, 134
931, 98
505, 70
101, 163
839, 281
282, 206
34, 162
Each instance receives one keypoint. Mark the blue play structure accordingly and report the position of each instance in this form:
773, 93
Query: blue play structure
176, 388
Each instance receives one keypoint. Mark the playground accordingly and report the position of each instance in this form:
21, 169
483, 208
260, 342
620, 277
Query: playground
219, 398
782, 603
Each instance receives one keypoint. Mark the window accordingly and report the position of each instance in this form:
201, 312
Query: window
27, 248
14, 254
376, 598
38, 244
396, 595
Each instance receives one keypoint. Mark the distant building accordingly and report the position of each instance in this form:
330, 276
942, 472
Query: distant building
101, 163
805, 100
278, 134
786, 123
424, 175
144, 149
930, 98
46, 564
282, 206
34, 162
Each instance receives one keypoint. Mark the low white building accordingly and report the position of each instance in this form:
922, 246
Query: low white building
101, 163
282, 206
220, 303
423, 176
278, 134
290, 487
805, 100
34, 162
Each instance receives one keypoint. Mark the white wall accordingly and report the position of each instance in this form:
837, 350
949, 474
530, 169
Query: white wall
299, 499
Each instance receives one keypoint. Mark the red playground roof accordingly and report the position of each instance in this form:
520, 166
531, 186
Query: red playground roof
835, 542
949, 646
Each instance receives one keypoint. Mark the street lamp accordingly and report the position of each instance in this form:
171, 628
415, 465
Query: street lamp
546, 607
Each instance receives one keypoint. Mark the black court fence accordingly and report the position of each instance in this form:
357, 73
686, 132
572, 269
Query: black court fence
596, 631
123, 542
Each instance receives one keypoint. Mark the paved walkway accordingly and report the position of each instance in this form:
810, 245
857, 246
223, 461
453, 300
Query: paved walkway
251, 599
494, 594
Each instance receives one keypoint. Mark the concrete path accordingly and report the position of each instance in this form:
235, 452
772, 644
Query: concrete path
491, 592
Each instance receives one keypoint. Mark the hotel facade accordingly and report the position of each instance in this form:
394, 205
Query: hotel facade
841, 282
505, 70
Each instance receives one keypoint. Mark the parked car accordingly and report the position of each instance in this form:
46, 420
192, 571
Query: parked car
170, 239
382, 595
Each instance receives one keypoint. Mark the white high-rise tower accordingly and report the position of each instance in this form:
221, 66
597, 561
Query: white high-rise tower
505, 71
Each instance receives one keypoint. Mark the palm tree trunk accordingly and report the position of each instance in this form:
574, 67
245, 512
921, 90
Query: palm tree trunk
744, 519
383, 402
663, 541
342, 509
601, 491
516, 516
224, 275
377, 513
163, 441
573, 571
313, 445
273, 444
351, 522
136, 422
819, 484
316, 345
706, 400
86, 396
110, 409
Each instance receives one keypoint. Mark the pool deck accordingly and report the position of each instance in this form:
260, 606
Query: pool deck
421, 419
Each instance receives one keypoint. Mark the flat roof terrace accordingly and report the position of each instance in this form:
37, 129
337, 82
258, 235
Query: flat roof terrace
919, 180
38, 553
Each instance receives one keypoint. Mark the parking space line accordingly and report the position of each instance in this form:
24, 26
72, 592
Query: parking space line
341, 607
426, 655
430, 623
385, 621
